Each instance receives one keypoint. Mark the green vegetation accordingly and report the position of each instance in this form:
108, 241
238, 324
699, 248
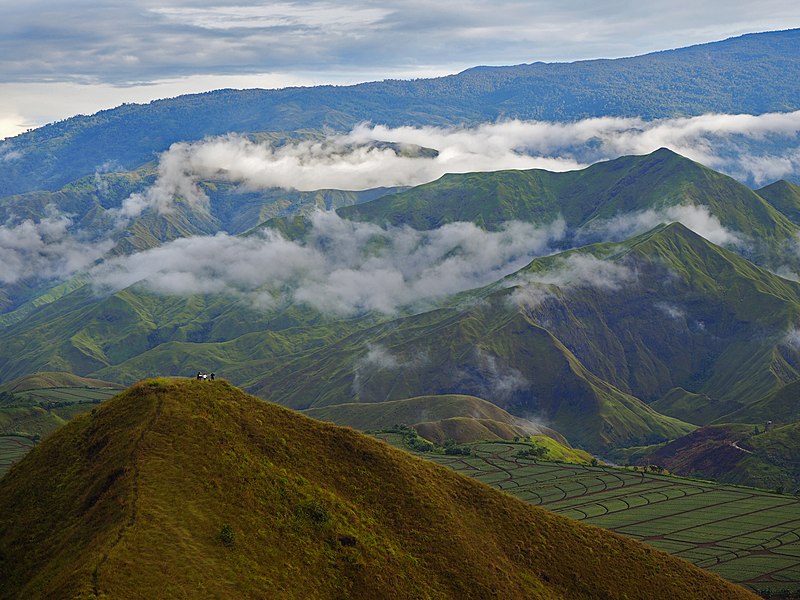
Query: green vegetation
138, 498
785, 197
51, 380
599, 348
12, 449
780, 406
587, 198
698, 334
749, 536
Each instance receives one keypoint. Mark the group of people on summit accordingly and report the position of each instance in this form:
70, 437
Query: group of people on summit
205, 376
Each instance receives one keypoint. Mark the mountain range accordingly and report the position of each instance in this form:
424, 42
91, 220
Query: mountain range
752, 74
616, 306
611, 343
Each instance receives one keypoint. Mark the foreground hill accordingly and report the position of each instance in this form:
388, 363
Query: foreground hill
753, 74
183, 488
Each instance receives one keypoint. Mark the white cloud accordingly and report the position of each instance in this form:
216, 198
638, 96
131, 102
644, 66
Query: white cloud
572, 271
11, 125
344, 267
320, 16
175, 181
355, 162
380, 358
500, 381
45, 249
696, 218
673, 311
792, 338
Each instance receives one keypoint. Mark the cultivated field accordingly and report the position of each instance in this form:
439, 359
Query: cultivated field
12, 448
45, 396
35, 413
748, 536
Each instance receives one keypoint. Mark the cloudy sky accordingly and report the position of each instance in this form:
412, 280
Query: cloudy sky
64, 58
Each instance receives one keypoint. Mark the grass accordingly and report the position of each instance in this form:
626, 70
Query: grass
749, 536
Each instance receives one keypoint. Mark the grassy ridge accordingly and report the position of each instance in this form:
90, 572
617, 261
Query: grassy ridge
46, 380
737, 453
179, 488
483, 351
588, 198
780, 406
785, 197
693, 316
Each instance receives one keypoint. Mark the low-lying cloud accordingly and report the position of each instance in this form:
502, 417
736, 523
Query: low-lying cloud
752, 148
792, 338
499, 381
696, 218
46, 249
343, 267
380, 358
573, 271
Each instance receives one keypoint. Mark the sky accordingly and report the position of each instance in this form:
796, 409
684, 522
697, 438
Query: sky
65, 58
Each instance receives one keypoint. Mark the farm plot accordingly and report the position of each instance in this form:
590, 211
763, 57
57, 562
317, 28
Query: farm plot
748, 536
35, 413
45, 396
12, 448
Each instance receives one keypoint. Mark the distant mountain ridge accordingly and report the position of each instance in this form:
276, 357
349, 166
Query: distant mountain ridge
754, 73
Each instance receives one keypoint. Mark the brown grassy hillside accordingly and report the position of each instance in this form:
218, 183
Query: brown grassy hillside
187, 489
462, 418
54, 379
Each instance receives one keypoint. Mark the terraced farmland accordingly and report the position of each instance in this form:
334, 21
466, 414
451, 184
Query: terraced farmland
67, 395
35, 413
748, 536
12, 448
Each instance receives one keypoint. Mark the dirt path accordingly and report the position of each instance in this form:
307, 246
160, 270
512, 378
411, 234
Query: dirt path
738, 447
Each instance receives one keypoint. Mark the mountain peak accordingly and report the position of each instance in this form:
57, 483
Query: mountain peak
177, 486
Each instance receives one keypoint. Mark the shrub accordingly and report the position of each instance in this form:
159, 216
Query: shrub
533, 451
227, 535
458, 450
314, 511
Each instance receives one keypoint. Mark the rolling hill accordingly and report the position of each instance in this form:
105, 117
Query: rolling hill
695, 330
437, 418
785, 197
780, 406
178, 488
741, 454
54, 380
